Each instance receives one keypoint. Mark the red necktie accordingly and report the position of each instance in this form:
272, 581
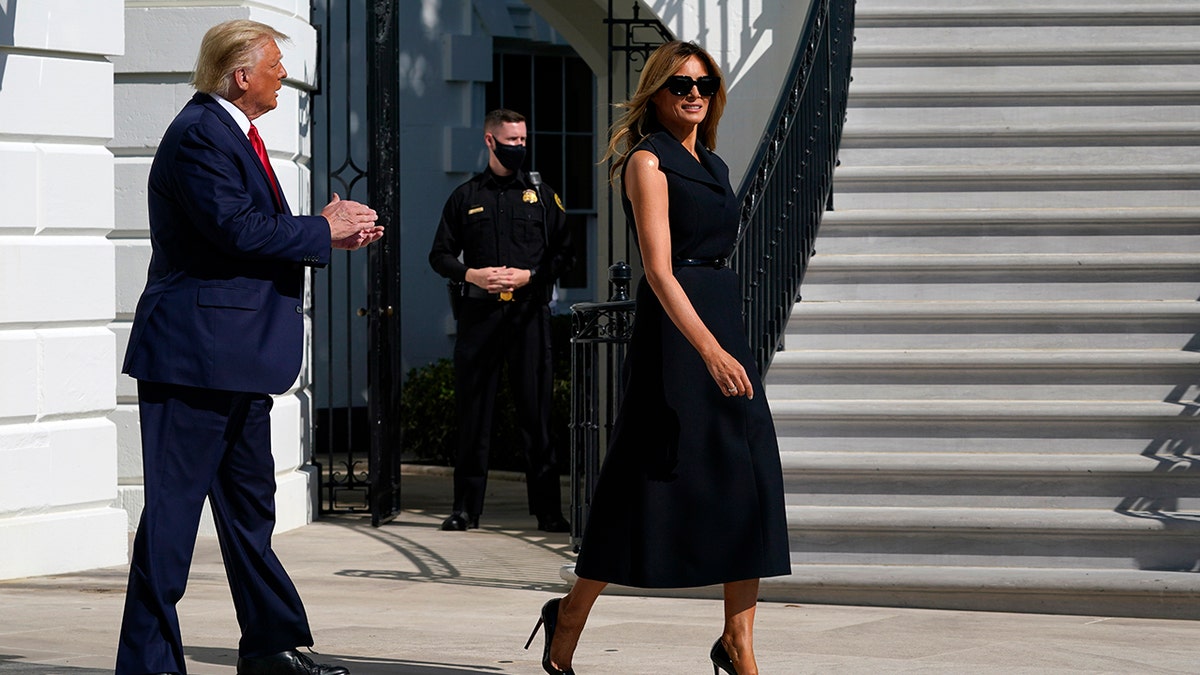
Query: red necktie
261, 150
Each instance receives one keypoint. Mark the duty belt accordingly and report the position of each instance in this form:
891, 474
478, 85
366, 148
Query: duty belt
715, 263
476, 293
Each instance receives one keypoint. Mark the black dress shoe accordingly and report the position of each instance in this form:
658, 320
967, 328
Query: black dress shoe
457, 522
553, 523
290, 662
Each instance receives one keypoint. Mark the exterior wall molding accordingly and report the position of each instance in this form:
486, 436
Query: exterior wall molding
57, 354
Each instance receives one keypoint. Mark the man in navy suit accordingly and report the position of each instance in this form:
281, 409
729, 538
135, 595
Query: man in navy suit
218, 329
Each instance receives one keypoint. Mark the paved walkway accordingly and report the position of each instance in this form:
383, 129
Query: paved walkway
408, 599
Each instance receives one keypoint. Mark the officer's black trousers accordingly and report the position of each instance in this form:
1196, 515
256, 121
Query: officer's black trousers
491, 332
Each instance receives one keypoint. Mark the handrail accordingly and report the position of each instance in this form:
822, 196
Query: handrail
791, 183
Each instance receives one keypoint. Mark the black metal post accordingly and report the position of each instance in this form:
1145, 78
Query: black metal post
384, 342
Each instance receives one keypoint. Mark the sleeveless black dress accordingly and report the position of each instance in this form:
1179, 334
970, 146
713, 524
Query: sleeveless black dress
691, 491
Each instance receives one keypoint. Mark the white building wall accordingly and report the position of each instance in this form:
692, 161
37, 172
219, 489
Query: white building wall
58, 448
151, 87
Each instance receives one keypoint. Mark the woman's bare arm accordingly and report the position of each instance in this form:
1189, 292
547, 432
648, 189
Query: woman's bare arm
646, 187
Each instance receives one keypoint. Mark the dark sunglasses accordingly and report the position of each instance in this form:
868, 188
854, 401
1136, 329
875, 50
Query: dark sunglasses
681, 85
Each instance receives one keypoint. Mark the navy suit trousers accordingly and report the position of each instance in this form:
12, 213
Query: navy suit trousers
199, 443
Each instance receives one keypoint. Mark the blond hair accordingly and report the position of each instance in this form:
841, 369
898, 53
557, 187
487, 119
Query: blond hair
640, 118
226, 48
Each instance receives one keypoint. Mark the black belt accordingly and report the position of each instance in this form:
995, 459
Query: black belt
715, 263
476, 293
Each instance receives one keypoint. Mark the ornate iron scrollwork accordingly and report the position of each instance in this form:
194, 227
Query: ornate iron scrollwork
597, 322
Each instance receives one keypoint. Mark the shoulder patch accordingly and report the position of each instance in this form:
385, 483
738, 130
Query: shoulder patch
558, 200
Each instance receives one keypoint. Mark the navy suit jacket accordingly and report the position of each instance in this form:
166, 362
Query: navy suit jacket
223, 304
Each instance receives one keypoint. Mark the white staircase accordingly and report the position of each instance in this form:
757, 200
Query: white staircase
988, 397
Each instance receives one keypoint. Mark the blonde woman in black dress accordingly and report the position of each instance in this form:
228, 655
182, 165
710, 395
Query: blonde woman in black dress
691, 493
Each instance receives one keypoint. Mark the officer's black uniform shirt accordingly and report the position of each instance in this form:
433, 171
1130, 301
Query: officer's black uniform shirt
495, 221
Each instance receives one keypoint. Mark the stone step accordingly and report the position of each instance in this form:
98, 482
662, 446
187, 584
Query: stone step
1088, 591
992, 521
1024, 87
1169, 262
838, 241
941, 316
992, 325
990, 277
972, 360
937, 133
1051, 164
990, 222
1031, 425
1034, 78
984, 177
1026, 13
995, 480
891, 378
904, 45
1016, 231
976, 193
985, 375
949, 286
1049, 441
939, 466
1023, 537
984, 120
999, 388
972, 411
1049, 334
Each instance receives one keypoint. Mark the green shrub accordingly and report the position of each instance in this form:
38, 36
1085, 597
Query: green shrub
427, 413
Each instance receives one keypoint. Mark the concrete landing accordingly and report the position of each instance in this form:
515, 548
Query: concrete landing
408, 599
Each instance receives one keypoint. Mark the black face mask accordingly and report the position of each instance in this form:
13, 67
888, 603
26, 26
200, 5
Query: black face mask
510, 156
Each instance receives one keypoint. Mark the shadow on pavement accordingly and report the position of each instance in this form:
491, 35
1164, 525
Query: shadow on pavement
12, 663
357, 664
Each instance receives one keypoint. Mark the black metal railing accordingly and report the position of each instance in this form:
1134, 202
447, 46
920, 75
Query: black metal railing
792, 185
783, 199
599, 333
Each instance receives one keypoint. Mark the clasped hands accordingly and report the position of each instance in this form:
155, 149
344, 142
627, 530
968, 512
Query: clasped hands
351, 224
499, 279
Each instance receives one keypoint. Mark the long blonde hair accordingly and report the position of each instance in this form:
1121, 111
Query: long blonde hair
226, 48
640, 118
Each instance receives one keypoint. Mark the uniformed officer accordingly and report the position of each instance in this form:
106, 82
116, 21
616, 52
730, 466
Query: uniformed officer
511, 233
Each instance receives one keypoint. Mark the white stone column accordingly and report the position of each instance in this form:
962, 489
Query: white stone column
57, 446
151, 87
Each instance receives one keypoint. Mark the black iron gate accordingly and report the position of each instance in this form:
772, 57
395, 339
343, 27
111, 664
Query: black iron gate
356, 350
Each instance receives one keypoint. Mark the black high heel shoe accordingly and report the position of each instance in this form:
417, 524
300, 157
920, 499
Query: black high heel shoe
720, 658
549, 618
